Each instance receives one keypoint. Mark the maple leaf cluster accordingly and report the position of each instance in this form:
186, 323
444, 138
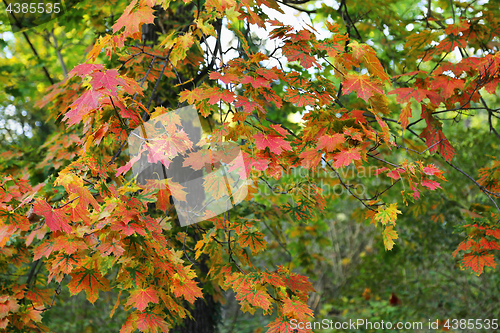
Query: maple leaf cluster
92, 215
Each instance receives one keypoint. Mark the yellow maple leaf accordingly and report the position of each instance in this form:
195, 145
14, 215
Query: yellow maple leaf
389, 236
387, 215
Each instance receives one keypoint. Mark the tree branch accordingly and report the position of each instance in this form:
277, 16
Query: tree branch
58, 52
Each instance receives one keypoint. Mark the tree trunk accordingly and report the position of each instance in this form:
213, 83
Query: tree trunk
206, 312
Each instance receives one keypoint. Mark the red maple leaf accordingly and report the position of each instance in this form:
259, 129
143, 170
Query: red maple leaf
113, 244
435, 139
255, 162
431, 170
227, 78
177, 190
354, 133
493, 232
56, 220
434, 136
364, 53
395, 174
464, 65
345, 157
216, 94
491, 86
69, 244
275, 143
269, 74
62, 263
131, 86
432, 185
332, 47
256, 82
280, 130
405, 94
297, 283
87, 102
108, 80
39, 296
485, 244
215, 184
7, 304
84, 69
127, 228
220, 5
127, 166
450, 42
270, 96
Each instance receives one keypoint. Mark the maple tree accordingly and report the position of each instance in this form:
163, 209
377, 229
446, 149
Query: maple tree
74, 207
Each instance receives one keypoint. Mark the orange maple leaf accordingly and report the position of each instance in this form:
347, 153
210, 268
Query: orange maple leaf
253, 296
188, 289
366, 54
197, 94
477, 261
254, 240
405, 115
362, 84
299, 98
133, 18
311, 158
89, 280
282, 325
300, 51
7, 304
296, 309
247, 105
43, 249
447, 85
142, 297
151, 322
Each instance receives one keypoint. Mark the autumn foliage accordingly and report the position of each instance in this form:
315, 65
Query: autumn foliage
93, 223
